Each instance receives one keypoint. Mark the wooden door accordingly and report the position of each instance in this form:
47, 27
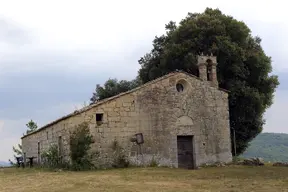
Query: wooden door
185, 152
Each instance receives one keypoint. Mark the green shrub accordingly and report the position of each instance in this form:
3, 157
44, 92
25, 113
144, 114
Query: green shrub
51, 158
120, 160
153, 162
80, 144
237, 159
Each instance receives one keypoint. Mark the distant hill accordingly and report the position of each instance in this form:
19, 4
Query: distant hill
270, 146
4, 164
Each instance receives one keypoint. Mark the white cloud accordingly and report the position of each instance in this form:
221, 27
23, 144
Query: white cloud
7, 144
276, 116
50, 115
9, 137
13, 129
106, 27
1, 125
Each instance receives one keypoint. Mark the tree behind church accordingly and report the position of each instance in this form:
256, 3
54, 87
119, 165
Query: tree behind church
113, 87
243, 67
31, 127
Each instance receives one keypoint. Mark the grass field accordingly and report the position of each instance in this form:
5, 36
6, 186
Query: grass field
224, 179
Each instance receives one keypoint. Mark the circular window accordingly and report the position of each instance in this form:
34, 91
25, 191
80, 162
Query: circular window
179, 87
182, 85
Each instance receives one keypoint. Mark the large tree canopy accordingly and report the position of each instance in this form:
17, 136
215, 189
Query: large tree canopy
243, 67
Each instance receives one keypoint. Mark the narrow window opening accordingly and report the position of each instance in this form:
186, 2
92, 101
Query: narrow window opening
60, 148
47, 135
99, 118
38, 150
209, 70
179, 87
24, 158
60, 145
209, 74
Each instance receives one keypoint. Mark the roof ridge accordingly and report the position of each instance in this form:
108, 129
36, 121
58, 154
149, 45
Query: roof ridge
83, 109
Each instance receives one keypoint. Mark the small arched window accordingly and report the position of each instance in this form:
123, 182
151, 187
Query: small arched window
209, 70
179, 87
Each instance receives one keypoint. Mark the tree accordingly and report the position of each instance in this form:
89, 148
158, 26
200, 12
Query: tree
17, 152
113, 87
32, 126
243, 67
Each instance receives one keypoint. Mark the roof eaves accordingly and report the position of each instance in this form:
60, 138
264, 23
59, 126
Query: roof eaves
76, 112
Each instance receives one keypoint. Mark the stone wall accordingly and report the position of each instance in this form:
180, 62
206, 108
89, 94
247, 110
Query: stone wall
161, 113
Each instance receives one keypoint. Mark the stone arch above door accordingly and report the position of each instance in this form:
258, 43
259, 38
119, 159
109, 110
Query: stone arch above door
184, 121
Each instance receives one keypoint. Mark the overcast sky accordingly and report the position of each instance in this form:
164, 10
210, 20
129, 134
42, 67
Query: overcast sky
52, 53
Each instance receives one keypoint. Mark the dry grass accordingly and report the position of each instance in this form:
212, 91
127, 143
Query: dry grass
224, 179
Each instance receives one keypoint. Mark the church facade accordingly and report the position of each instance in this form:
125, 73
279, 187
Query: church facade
178, 120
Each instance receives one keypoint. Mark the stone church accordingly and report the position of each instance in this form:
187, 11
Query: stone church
179, 120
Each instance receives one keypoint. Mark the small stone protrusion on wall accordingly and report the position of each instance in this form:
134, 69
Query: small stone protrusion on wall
133, 139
